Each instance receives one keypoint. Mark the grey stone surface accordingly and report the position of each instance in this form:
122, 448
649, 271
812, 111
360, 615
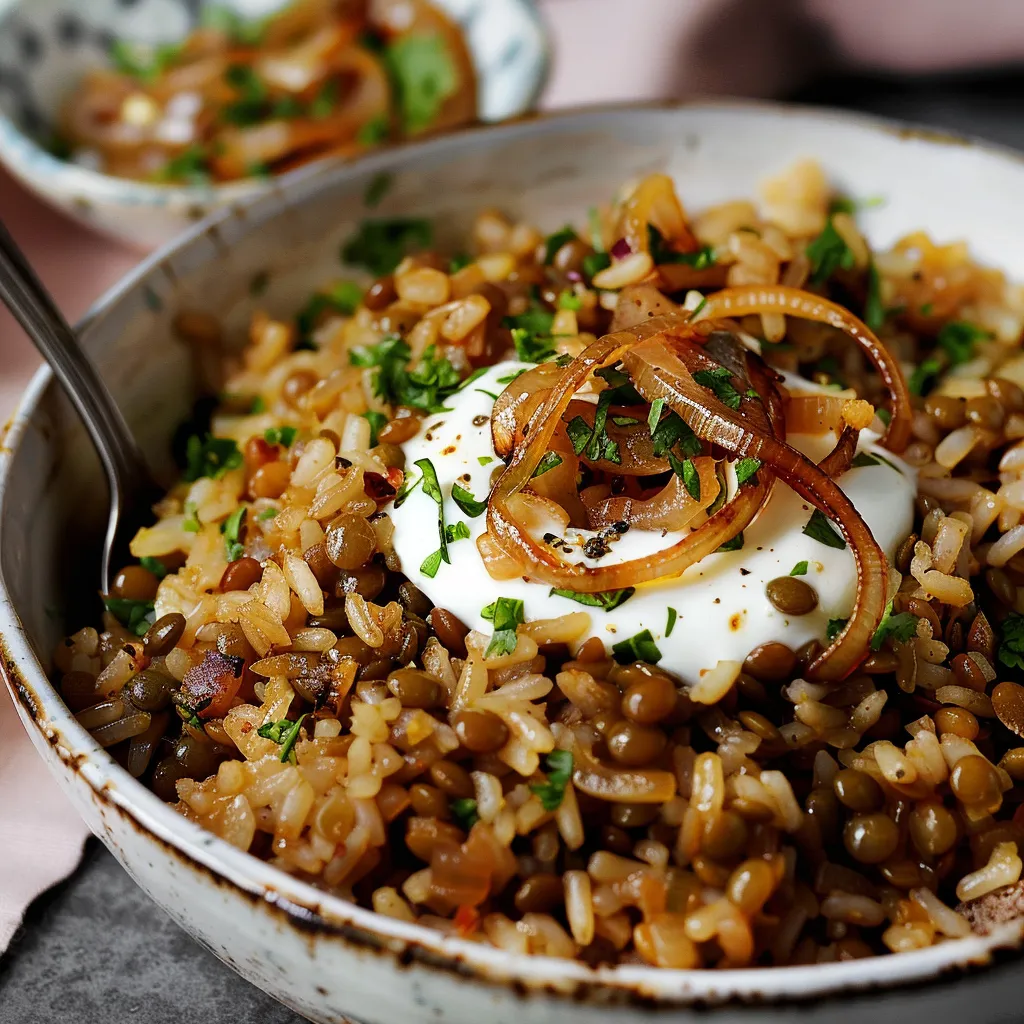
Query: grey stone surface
97, 951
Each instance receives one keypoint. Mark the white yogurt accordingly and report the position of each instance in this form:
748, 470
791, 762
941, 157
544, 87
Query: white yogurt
722, 611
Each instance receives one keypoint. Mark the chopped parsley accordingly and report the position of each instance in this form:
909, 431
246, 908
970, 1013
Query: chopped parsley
671, 624
509, 377
190, 167
228, 21
736, 544
137, 616
828, 253
258, 405
800, 569
284, 436
377, 421
820, 529
484, 459
687, 471
323, 103
923, 379
595, 262
555, 241
191, 523
607, 600
719, 380
284, 732
409, 484
424, 387
1011, 643
671, 431
558, 765
267, 513
456, 531
569, 300
593, 442
377, 189
380, 245
874, 311
862, 459
958, 338
424, 76
664, 253
467, 502
844, 204
464, 812
142, 62
506, 613
433, 491
532, 348
253, 102
343, 298
746, 470
212, 457
640, 647
547, 463
376, 130
458, 262
153, 565
232, 529
834, 628
901, 627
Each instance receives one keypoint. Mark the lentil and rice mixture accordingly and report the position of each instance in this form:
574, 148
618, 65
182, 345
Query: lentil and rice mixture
267, 667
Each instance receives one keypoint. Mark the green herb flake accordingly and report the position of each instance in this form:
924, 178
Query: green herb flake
958, 338
594, 263
555, 241
322, 105
284, 732
267, 513
378, 189
607, 600
671, 624
456, 531
834, 628
640, 647
485, 460
900, 627
593, 442
927, 309
258, 406
746, 471
191, 523
828, 253
136, 616
229, 22
550, 461
284, 436
380, 245
558, 765
431, 564
424, 387
153, 565
232, 529
423, 75
719, 381
432, 489
464, 812
375, 131
800, 569
736, 544
687, 471
506, 613
253, 103
531, 348
820, 529
509, 377
925, 376
663, 253
377, 421
212, 457
469, 505
189, 167
596, 234
1011, 641
569, 300
142, 62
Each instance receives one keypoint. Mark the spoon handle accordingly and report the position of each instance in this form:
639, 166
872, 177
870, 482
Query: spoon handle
35, 310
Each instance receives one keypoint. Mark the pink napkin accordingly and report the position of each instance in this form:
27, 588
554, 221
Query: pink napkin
42, 833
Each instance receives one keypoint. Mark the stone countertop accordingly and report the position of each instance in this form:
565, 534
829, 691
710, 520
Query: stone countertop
95, 950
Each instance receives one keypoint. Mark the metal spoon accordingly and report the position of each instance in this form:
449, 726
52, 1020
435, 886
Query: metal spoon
132, 490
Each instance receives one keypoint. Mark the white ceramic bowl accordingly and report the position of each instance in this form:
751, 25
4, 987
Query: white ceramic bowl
47, 45
321, 955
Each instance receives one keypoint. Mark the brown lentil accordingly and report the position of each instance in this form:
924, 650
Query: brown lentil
150, 690
985, 412
1008, 704
857, 791
539, 894
932, 828
163, 635
948, 413
791, 595
380, 294
871, 838
296, 385
958, 721
452, 779
975, 783
270, 480
133, 583
450, 630
415, 688
479, 731
429, 802
350, 541
241, 574
649, 700
1006, 393
634, 744
771, 662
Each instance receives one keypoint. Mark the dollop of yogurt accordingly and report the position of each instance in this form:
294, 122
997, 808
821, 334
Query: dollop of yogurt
717, 610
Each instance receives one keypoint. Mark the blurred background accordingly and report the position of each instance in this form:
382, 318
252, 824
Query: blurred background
948, 65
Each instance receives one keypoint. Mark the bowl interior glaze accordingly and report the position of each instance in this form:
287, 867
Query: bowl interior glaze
550, 170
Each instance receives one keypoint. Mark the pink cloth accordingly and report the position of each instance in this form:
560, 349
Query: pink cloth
604, 51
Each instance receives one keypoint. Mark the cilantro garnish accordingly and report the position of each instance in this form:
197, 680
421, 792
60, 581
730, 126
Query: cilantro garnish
671, 624
232, 530
467, 502
719, 380
531, 348
844, 204
190, 167
1011, 644
284, 732
267, 513
284, 436
464, 812
958, 338
424, 387
901, 627
820, 529
862, 459
551, 792
923, 379
137, 616
746, 470
380, 245
433, 491
640, 647
377, 421
233, 25
423, 75
671, 431
191, 523
189, 713
142, 62
153, 565
800, 569
376, 130
736, 544
595, 262
506, 613
687, 472
569, 300
547, 463
509, 377
607, 600
213, 457
456, 531
459, 262
323, 103
834, 628
663, 253
828, 253
593, 442
555, 242
343, 297
252, 105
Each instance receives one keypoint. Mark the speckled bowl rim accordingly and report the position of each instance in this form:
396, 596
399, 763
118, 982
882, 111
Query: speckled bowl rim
23, 151
310, 910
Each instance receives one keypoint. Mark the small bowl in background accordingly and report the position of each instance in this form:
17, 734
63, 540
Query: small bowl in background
46, 46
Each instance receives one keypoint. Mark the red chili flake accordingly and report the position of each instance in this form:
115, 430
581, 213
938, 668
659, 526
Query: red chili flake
378, 487
467, 919
215, 679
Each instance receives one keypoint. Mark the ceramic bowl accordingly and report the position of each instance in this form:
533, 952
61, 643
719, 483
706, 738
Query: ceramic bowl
47, 45
325, 957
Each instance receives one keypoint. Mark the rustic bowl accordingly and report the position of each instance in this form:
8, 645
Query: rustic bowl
47, 45
327, 958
